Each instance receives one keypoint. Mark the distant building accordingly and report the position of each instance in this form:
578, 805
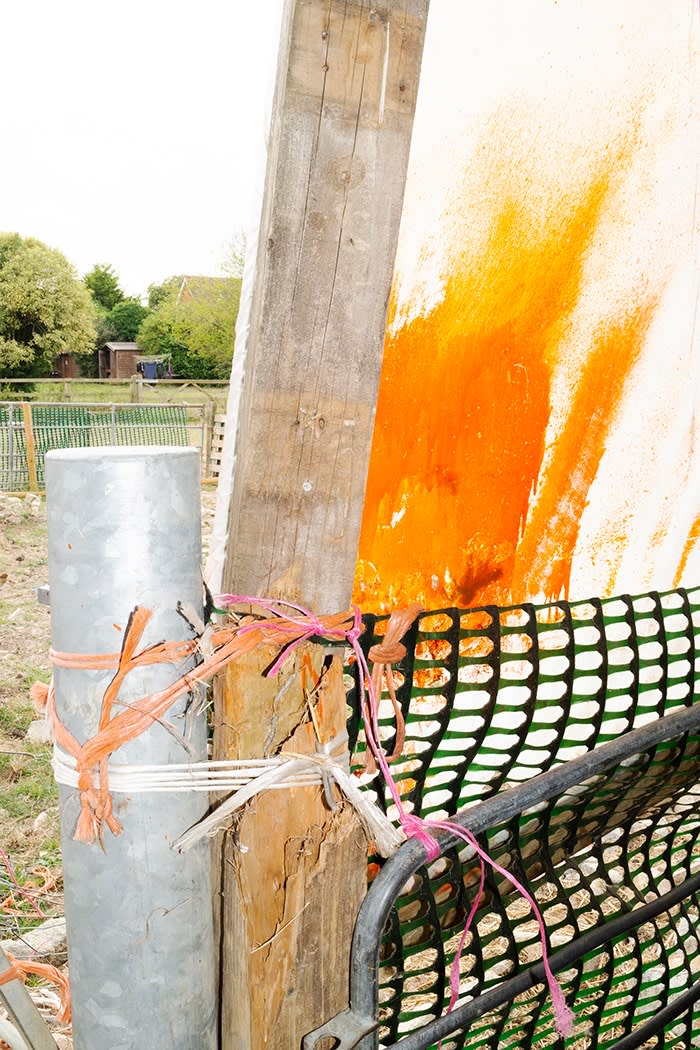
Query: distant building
66, 366
118, 360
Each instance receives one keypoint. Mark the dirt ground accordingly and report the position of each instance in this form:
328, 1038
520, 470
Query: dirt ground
30, 855
28, 811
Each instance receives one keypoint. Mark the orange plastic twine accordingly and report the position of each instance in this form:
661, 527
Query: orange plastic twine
224, 645
387, 652
287, 628
12, 973
20, 969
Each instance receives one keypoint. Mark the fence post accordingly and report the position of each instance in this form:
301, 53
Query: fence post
30, 446
67, 390
208, 413
300, 434
136, 389
124, 529
11, 446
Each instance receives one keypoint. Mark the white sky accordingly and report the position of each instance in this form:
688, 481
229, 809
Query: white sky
131, 133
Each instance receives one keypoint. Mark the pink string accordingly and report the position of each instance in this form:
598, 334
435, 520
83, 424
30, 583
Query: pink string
413, 825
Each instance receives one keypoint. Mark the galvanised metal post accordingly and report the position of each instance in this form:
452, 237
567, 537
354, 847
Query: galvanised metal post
124, 530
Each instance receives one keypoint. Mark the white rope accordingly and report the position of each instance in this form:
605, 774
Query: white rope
245, 778
177, 777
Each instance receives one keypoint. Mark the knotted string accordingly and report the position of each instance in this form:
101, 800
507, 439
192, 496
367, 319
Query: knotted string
227, 643
382, 655
292, 630
413, 825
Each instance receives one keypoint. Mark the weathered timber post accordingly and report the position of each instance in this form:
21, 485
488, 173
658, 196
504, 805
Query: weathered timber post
124, 531
208, 413
30, 447
300, 422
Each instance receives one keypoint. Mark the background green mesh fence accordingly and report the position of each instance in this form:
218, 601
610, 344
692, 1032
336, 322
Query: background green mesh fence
74, 426
13, 457
492, 697
139, 425
58, 426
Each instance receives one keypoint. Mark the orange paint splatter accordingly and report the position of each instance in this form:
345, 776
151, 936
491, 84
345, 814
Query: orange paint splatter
693, 538
543, 558
464, 405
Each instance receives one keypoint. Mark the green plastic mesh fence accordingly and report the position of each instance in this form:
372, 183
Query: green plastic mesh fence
75, 426
492, 697
57, 426
139, 425
13, 457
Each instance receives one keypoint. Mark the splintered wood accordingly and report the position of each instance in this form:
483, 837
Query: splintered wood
294, 871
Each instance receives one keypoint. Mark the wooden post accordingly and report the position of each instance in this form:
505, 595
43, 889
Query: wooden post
302, 410
208, 413
136, 388
30, 446
294, 872
340, 135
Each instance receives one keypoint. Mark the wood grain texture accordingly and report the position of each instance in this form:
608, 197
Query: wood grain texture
340, 136
302, 417
30, 446
294, 871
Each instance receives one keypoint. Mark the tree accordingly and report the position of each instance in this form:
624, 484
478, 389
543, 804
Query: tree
194, 321
234, 262
45, 310
163, 293
125, 319
104, 285
157, 336
118, 316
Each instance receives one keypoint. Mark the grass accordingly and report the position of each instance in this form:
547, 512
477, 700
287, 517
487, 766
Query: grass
27, 783
29, 817
118, 391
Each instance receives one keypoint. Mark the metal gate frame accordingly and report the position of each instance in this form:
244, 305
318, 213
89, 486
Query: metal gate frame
358, 1026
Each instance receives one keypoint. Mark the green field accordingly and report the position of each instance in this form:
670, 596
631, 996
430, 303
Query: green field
116, 391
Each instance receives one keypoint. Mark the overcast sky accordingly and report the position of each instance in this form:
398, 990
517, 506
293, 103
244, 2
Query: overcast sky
131, 132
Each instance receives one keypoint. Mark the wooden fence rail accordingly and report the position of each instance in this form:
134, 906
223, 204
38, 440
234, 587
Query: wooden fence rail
136, 390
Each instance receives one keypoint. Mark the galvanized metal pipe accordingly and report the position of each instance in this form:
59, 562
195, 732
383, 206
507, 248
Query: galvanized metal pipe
124, 529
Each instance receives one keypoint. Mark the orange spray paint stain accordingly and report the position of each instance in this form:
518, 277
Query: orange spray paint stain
463, 411
543, 558
693, 537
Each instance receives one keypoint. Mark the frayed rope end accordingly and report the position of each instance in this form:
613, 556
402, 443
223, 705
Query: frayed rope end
563, 1014
86, 827
93, 815
39, 694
